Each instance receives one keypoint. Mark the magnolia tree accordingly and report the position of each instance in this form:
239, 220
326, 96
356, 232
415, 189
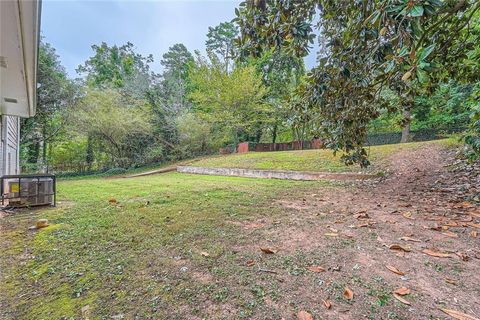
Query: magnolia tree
367, 46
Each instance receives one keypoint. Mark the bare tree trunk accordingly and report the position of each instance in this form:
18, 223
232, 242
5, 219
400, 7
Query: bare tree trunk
44, 146
406, 127
274, 133
407, 115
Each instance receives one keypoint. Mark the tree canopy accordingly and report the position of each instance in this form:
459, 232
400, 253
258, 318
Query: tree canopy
404, 45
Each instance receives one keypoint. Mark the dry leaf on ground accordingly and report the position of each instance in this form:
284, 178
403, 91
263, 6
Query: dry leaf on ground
408, 215
327, 303
250, 263
362, 216
304, 315
435, 227
316, 269
436, 253
205, 254
331, 234
396, 246
395, 270
402, 291
348, 293
476, 213
450, 234
462, 256
458, 315
473, 233
451, 224
402, 300
450, 280
475, 225
410, 239
267, 250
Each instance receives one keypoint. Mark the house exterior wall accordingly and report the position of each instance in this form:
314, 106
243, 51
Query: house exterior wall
9, 145
19, 42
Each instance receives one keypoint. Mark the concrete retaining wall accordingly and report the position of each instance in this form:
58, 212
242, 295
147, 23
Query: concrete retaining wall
274, 174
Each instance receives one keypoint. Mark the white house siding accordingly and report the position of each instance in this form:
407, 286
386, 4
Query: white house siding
19, 40
9, 145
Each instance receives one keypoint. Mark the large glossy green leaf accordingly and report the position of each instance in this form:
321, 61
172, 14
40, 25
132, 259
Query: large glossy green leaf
416, 11
422, 76
425, 52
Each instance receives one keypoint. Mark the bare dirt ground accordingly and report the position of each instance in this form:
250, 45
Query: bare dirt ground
411, 230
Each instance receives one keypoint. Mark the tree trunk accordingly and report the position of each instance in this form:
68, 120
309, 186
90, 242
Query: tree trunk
258, 136
89, 157
33, 152
406, 127
274, 133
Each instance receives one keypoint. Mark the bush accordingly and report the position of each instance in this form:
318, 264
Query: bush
196, 137
472, 136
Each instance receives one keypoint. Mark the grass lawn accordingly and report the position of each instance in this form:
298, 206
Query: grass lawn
307, 160
177, 245
137, 256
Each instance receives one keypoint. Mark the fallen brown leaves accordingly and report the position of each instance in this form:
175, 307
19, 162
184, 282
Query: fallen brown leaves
462, 256
408, 215
402, 291
304, 315
450, 234
410, 239
362, 215
399, 247
475, 213
458, 315
450, 280
316, 269
267, 250
348, 293
475, 225
436, 253
327, 303
250, 263
331, 234
402, 300
395, 270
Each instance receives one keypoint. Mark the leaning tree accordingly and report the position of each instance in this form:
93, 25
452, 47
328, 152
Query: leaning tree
369, 45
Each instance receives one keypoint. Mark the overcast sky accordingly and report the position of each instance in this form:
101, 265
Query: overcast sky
152, 26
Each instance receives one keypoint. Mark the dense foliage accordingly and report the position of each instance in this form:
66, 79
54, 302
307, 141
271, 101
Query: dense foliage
406, 47
120, 114
382, 66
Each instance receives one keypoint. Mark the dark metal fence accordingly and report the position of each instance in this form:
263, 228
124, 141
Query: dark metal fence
61, 169
374, 139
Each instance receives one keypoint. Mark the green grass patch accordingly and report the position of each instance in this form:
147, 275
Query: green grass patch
132, 248
309, 160
126, 257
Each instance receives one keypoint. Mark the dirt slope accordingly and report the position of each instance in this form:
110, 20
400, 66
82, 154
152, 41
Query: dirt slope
353, 233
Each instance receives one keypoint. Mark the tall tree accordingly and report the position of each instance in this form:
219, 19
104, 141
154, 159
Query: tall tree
376, 44
170, 93
176, 62
281, 73
232, 101
118, 67
220, 41
122, 124
55, 92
